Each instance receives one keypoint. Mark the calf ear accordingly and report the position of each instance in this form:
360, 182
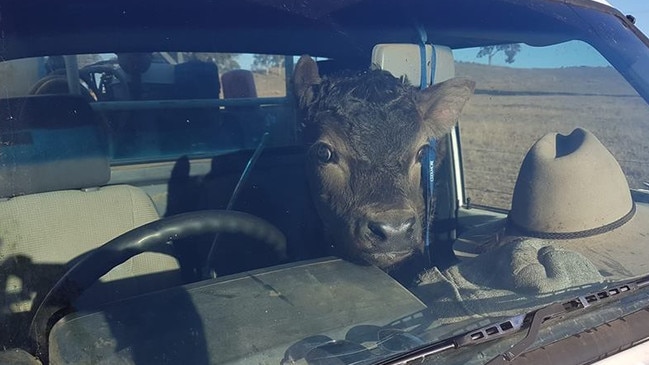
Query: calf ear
440, 105
305, 76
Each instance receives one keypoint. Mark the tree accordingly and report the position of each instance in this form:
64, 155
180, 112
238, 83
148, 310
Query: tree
225, 61
510, 51
266, 62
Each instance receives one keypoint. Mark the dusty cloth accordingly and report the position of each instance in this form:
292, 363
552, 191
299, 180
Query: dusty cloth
518, 276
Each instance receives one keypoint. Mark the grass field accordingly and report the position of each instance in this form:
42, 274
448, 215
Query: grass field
512, 108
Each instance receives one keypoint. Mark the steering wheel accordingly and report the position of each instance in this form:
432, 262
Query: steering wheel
86, 75
152, 237
57, 82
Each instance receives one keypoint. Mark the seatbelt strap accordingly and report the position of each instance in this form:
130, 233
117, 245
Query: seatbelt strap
428, 163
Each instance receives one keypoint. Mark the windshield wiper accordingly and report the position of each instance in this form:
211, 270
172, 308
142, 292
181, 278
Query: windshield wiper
531, 321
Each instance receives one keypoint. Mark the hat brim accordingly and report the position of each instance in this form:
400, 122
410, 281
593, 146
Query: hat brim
620, 253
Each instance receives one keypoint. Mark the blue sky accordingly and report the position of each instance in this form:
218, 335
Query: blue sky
574, 53
637, 8
568, 54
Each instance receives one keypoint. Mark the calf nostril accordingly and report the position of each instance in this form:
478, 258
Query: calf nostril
386, 230
378, 229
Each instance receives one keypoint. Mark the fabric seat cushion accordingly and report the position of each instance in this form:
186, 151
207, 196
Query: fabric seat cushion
36, 244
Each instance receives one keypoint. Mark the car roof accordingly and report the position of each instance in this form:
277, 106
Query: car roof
603, 2
334, 28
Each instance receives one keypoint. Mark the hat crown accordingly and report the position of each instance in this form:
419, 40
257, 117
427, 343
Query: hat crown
569, 184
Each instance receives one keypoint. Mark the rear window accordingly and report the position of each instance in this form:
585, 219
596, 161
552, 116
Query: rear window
176, 103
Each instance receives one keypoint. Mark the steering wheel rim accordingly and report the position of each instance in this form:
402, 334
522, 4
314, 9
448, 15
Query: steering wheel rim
152, 237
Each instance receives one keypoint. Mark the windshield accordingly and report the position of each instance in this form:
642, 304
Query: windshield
326, 184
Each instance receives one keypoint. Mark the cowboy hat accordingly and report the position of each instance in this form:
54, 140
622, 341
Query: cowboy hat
572, 194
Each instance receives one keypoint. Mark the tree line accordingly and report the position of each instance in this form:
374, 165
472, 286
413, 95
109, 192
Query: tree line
510, 51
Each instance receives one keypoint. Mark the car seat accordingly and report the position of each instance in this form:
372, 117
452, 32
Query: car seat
244, 124
239, 84
54, 206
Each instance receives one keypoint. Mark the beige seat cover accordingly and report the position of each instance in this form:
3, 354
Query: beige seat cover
40, 233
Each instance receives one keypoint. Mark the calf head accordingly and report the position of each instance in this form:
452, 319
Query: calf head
368, 134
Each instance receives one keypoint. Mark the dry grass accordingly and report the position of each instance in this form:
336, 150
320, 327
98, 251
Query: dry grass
497, 130
270, 85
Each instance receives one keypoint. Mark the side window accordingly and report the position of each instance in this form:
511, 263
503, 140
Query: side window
162, 105
524, 92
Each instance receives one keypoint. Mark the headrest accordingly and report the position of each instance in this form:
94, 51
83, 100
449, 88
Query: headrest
48, 143
134, 63
197, 80
239, 84
404, 61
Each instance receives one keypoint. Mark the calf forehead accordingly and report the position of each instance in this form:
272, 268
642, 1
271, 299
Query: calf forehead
376, 135
373, 113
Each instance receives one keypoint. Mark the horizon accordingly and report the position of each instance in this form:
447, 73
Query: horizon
567, 54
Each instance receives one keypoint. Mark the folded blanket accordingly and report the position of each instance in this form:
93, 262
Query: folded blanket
515, 277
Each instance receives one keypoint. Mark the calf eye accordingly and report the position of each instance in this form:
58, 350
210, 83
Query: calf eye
421, 154
324, 153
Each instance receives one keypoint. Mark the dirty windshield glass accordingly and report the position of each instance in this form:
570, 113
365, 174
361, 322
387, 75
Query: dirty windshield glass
338, 183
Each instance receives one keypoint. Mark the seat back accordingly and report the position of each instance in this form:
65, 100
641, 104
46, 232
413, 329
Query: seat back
239, 84
54, 207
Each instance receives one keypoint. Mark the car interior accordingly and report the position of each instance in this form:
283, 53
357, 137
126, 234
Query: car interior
127, 140
110, 195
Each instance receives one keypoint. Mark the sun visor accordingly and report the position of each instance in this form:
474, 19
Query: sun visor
404, 61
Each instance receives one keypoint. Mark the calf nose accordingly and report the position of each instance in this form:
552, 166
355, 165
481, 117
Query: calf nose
392, 225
